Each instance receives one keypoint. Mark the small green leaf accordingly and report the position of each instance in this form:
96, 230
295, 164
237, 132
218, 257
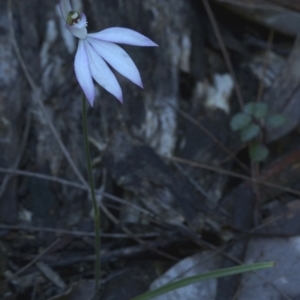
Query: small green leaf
250, 132
239, 121
210, 275
249, 108
261, 110
258, 110
258, 152
275, 121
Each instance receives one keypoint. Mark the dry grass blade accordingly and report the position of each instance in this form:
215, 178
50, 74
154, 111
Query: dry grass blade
233, 174
36, 259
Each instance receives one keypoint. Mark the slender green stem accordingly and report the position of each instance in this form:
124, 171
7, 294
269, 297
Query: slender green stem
97, 215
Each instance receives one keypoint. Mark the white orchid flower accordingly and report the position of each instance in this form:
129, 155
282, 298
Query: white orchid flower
95, 50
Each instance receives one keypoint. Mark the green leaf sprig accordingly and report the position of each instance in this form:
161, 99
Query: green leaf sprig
250, 124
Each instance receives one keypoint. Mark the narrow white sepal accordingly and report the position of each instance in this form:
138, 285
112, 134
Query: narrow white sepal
83, 73
118, 59
102, 73
123, 36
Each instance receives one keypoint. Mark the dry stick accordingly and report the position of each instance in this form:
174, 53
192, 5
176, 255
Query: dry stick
18, 159
126, 230
38, 257
213, 138
79, 186
181, 160
196, 185
233, 174
224, 51
76, 185
75, 232
44, 177
83, 233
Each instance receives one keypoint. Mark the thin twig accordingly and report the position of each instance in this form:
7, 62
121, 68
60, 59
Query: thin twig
37, 258
44, 177
20, 154
224, 51
78, 186
178, 159
233, 174
141, 242
213, 138
75, 232
197, 186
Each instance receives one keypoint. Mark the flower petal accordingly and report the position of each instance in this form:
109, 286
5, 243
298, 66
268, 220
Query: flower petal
83, 73
123, 36
118, 59
102, 73
80, 33
65, 8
